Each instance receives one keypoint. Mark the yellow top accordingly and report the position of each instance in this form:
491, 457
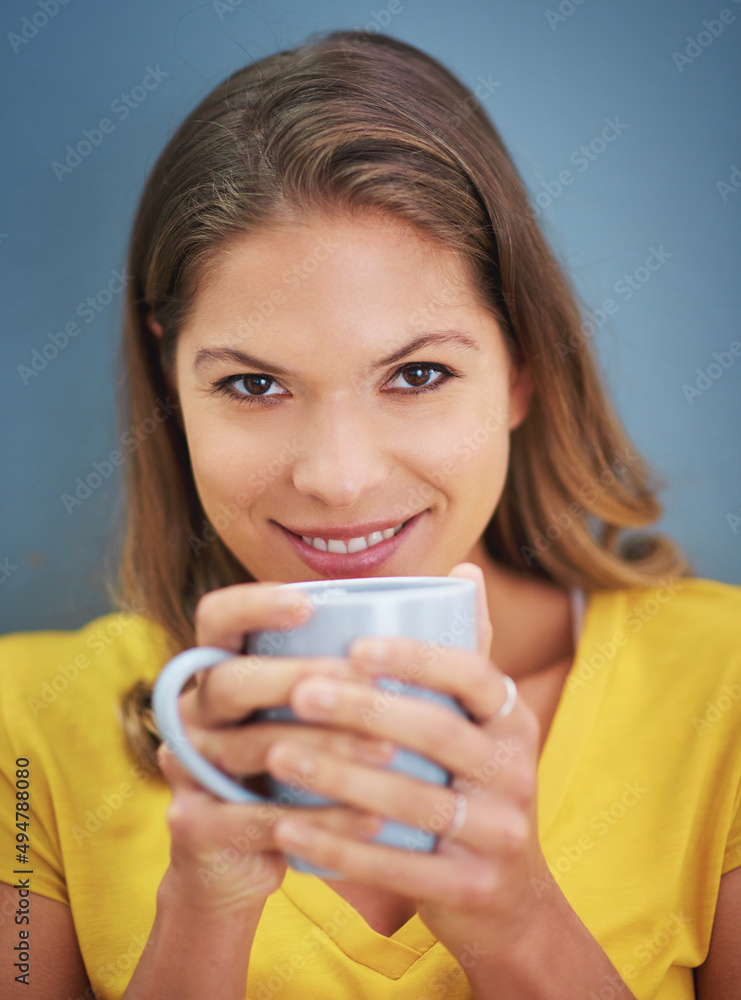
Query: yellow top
638, 805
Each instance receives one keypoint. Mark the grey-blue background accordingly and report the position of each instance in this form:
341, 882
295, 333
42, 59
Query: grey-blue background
657, 185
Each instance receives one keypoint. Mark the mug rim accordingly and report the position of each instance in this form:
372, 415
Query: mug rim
404, 588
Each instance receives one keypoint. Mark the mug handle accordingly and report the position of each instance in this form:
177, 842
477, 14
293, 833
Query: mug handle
165, 695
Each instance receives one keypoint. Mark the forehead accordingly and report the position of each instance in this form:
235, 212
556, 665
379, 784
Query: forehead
368, 252
314, 288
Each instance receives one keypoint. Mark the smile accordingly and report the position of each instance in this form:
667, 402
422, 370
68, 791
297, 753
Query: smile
353, 544
355, 554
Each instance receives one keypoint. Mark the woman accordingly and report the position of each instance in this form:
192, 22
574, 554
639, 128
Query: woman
350, 352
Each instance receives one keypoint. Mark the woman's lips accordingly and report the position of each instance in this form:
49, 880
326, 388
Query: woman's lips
340, 564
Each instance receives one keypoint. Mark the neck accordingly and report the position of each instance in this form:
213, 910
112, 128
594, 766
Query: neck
530, 618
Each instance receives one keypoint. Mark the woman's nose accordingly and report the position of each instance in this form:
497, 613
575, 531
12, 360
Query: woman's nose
342, 458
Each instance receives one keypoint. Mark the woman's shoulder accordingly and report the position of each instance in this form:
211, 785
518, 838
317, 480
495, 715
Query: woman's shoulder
683, 635
681, 609
113, 651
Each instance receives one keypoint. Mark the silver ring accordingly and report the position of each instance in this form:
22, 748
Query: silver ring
459, 816
509, 701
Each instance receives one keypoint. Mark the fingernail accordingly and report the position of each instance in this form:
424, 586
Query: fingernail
372, 650
369, 826
306, 767
320, 694
293, 832
292, 602
378, 752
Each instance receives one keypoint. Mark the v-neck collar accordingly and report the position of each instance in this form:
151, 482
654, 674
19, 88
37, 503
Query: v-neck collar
391, 956
575, 714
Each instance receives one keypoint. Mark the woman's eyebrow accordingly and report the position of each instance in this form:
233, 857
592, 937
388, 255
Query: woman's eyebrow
206, 356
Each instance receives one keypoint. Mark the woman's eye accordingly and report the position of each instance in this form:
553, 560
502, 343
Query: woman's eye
252, 385
248, 388
417, 376
256, 387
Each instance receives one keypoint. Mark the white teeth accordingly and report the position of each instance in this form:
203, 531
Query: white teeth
353, 544
357, 544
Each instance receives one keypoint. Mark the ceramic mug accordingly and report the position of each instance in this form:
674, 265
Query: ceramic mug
439, 611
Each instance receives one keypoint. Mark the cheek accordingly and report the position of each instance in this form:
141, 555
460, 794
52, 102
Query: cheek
232, 467
473, 449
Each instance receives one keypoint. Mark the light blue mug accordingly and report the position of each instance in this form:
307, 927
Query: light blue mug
440, 611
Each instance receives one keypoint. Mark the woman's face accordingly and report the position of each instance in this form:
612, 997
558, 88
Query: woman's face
298, 374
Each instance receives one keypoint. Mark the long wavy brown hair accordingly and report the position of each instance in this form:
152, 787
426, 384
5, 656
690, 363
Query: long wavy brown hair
363, 122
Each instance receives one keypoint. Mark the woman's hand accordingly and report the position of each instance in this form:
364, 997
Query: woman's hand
475, 887
224, 857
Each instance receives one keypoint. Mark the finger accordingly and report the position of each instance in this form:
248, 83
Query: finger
467, 676
242, 751
233, 689
461, 882
204, 823
434, 731
490, 822
176, 775
213, 818
470, 571
337, 819
223, 617
343, 822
